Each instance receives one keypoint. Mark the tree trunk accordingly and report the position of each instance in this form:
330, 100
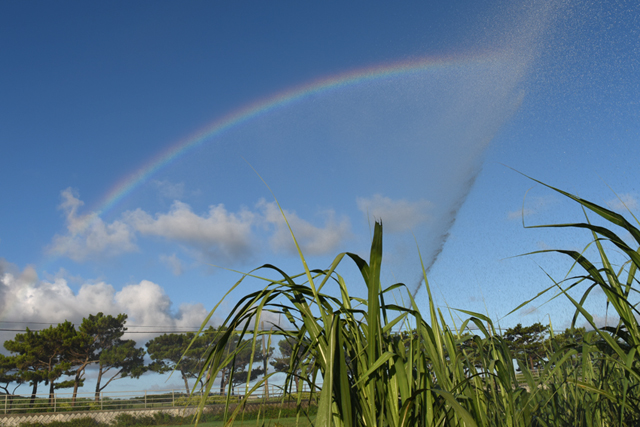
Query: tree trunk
76, 383
115, 377
98, 383
51, 391
186, 383
75, 391
34, 390
222, 384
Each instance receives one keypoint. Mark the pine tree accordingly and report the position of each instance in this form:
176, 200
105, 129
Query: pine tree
41, 355
9, 373
111, 352
528, 343
169, 352
293, 358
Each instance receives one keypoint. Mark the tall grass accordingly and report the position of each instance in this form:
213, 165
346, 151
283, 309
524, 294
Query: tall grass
386, 364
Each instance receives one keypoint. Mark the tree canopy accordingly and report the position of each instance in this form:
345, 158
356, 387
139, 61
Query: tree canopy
294, 356
115, 355
528, 343
48, 355
9, 373
169, 352
41, 355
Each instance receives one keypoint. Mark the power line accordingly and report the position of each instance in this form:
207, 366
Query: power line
128, 326
126, 332
204, 331
33, 323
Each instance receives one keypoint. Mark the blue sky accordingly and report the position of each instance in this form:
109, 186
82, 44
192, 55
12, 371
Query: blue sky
411, 112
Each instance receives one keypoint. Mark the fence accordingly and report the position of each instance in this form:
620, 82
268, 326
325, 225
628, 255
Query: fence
144, 399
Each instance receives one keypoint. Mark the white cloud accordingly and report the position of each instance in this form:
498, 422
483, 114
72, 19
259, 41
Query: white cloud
87, 235
146, 303
220, 233
624, 202
396, 215
312, 240
173, 262
26, 298
217, 236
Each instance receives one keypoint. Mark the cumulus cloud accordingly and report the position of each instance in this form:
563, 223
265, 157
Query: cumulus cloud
396, 215
313, 240
88, 235
219, 233
26, 298
146, 303
624, 202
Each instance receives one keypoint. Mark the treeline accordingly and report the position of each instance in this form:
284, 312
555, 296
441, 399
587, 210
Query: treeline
59, 356
531, 346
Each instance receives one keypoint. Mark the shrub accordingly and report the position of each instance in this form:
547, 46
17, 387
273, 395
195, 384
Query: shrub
79, 422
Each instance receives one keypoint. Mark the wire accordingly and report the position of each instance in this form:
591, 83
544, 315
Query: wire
33, 323
128, 326
139, 332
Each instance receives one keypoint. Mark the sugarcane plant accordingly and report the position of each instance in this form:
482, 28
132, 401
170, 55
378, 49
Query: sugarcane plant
383, 363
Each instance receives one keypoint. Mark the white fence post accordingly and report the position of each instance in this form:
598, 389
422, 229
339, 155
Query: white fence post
173, 398
145, 399
55, 401
101, 399
6, 396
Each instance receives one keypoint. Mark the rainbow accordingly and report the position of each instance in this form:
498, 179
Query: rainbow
261, 107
